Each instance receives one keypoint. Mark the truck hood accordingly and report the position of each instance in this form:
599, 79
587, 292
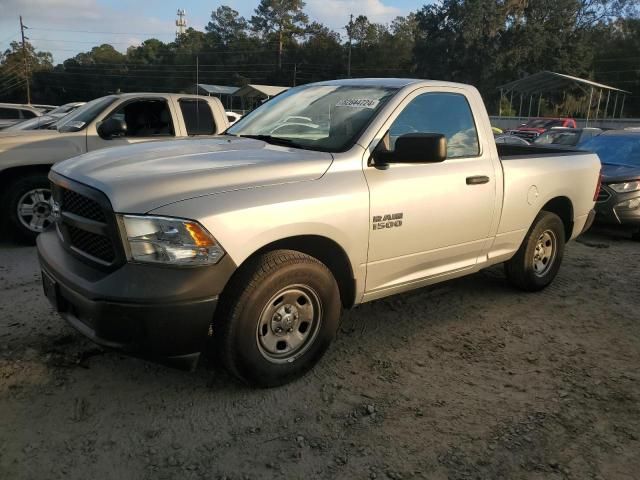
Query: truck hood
619, 173
140, 178
9, 140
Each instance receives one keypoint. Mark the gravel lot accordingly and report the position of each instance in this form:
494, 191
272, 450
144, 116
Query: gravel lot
466, 380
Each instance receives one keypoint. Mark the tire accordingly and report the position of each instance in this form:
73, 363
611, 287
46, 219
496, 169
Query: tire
636, 235
30, 190
276, 319
528, 270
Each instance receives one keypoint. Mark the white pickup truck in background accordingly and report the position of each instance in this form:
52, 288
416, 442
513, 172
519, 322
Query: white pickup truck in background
111, 121
261, 236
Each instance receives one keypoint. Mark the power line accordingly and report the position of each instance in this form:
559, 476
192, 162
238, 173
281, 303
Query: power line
10, 37
12, 87
99, 33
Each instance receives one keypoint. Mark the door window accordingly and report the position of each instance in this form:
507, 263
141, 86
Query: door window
9, 114
28, 114
445, 113
146, 118
197, 117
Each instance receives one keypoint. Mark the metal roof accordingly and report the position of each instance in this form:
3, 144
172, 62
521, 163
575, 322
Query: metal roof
217, 89
546, 81
254, 90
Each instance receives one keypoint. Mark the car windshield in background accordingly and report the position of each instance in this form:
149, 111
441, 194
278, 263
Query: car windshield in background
79, 119
559, 137
615, 149
321, 117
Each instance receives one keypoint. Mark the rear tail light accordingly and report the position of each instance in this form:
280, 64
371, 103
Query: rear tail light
598, 187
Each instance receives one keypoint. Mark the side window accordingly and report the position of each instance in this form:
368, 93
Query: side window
197, 116
146, 118
445, 113
9, 114
27, 114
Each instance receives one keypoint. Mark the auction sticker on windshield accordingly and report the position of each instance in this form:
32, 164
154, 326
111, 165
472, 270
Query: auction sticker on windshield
358, 103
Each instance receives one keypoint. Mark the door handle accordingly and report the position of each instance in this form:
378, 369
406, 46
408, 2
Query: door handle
477, 180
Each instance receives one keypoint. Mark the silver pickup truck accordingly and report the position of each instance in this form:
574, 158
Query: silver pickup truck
328, 196
106, 122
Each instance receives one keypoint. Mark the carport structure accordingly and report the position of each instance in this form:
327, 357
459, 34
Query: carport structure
546, 83
223, 92
252, 94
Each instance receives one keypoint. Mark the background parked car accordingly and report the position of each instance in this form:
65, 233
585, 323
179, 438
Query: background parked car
536, 126
619, 199
567, 137
111, 121
12, 113
46, 121
44, 108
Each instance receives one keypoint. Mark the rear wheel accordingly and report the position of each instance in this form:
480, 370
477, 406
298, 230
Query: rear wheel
277, 318
537, 261
28, 211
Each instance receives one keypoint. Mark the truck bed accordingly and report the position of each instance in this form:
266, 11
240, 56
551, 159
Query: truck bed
507, 151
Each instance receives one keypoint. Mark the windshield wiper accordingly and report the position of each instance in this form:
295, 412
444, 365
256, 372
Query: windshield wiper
287, 142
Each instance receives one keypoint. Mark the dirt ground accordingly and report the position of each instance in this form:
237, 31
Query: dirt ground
466, 380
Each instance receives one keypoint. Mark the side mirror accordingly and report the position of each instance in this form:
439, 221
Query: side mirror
112, 127
414, 148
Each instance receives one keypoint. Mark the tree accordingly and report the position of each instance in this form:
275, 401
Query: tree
226, 25
282, 19
13, 71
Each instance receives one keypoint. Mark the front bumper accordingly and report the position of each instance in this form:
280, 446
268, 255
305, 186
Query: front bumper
609, 212
156, 312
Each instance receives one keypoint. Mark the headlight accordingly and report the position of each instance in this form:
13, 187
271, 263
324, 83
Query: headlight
626, 186
173, 241
629, 204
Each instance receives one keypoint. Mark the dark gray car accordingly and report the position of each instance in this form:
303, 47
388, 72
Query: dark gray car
619, 199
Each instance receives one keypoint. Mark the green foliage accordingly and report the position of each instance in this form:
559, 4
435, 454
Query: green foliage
482, 42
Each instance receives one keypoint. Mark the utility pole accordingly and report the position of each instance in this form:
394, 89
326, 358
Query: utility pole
295, 73
26, 62
349, 30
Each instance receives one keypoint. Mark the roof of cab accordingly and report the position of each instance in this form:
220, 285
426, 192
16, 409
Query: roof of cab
387, 82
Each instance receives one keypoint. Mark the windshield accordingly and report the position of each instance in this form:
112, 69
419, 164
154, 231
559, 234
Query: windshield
65, 108
80, 118
559, 137
320, 117
615, 149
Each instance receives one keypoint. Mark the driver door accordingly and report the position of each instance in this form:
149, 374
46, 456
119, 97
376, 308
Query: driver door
430, 219
146, 119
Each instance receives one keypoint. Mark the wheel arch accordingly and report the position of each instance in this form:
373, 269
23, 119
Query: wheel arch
563, 207
324, 249
11, 173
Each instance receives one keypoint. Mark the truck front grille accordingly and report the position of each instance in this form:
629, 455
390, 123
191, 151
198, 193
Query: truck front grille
77, 204
97, 246
87, 225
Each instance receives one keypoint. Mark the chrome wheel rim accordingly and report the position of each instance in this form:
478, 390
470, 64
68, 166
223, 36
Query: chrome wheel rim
34, 209
544, 253
289, 323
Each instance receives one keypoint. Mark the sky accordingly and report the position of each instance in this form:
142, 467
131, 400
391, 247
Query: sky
67, 27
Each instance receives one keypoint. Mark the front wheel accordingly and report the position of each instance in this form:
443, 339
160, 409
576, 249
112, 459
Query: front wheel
28, 210
537, 261
277, 318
